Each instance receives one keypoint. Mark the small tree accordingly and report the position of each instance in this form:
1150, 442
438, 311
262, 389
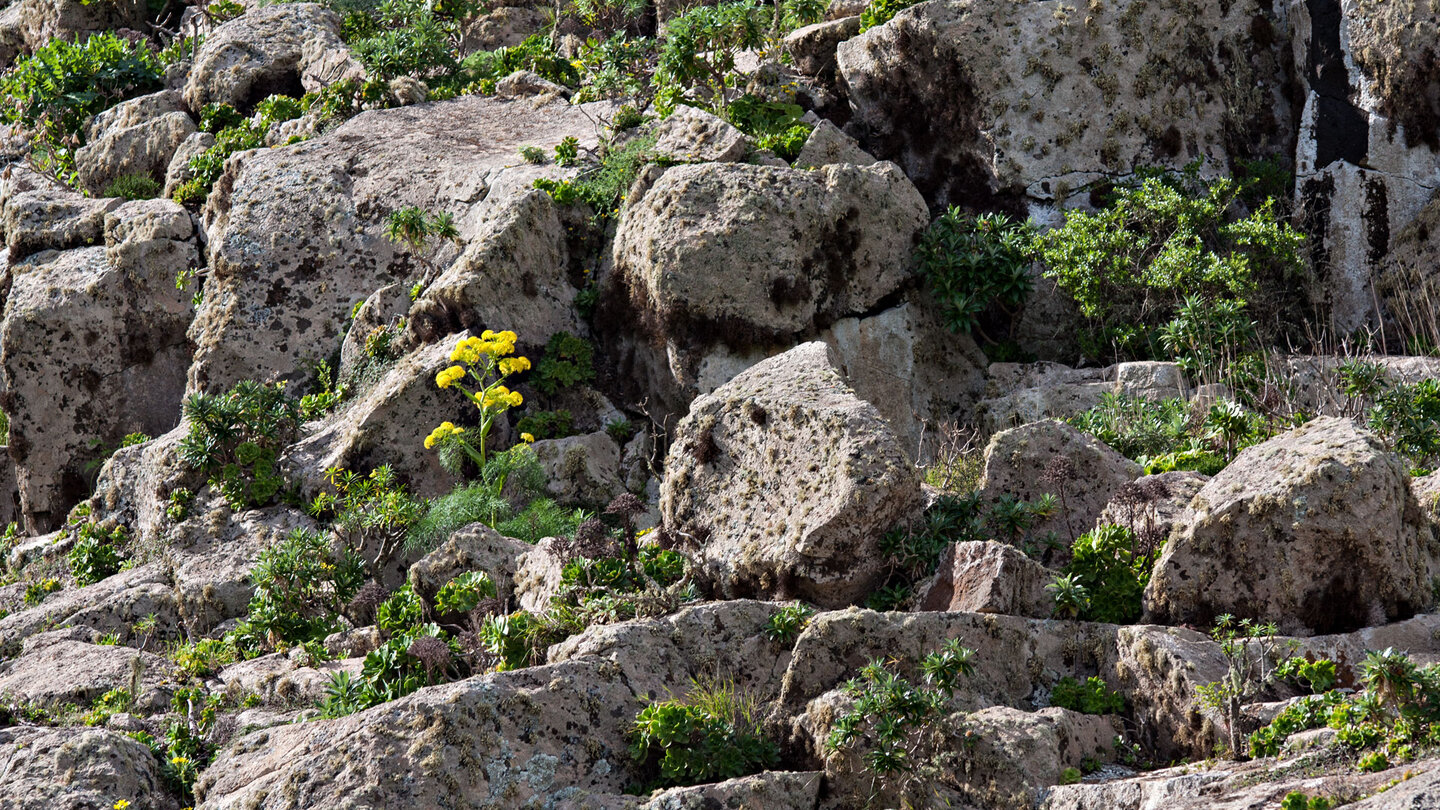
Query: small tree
700, 50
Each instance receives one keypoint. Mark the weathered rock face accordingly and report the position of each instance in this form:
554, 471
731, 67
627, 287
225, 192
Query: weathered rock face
1315, 529
120, 304
259, 54
1018, 754
77, 673
476, 547
1152, 505
1020, 393
283, 219
546, 734
40, 216
43, 768
29, 24
1406, 280
1366, 160
826, 145
743, 254
982, 100
109, 606
1017, 460
989, 577
582, 469
136, 137
691, 135
786, 481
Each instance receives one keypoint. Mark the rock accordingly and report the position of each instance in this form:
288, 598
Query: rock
704, 254
1313, 382
78, 673
1016, 461
28, 25
355, 643
541, 735
135, 137
786, 481
1018, 754
778, 789
135, 485
813, 46
1151, 506
1020, 393
581, 469
213, 553
656, 654
503, 27
1325, 512
984, 103
827, 145
1159, 670
384, 310
119, 301
988, 577
280, 218
537, 574
112, 605
476, 547
278, 681
259, 54
178, 173
523, 83
1365, 164
513, 273
44, 768
49, 218
692, 135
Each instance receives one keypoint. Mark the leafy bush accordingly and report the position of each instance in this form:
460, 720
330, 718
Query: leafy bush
1130, 265
301, 584
700, 739
1106, 563
463, 593
62, 84
533, 154
398, 613
369, 511
568, 361
133, 187
697, 59
1090, 697
408, 38
248, 133
1296, 800
204, 658
37, 590
235, 440
773, 125
547, 424
978, 267
97, 552
519, 639
419, 656
1408, 417
879, 12
786, 624
603, 188
892, 719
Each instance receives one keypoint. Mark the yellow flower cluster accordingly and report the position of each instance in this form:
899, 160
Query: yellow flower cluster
502, 397
449, 376
528, 438
495, 344
439, 434
514, 365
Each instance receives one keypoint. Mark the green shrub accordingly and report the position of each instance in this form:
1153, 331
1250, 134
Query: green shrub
97, 552
1373, 762
416, 227
567, 152
533, 154
1090, 697
1130, 265
62, 84
604, 187
369, 511
247, 133
697, 57
547, 424
235, 440
786, 624
301, 584
1106, 562
204, 658
507, 497
879, 12
112, 702
463, 593
419, 656
519, 639
1296, 800
568, 361
1317, 676
37, 590
398, 613
409, 38
773, 125
700, 739
133, 187
1408, 417
977, 267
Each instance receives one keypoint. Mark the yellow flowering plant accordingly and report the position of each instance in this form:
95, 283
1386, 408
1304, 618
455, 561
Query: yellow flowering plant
481, 365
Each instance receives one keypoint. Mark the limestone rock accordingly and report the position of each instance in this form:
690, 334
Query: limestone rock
786, 481
50, 218
1016, 459
778, 789
119, 301
752, 253
279, 681
954, 92
476, 547
1020, 393
258, 54
1314, 529
989, 577
281, 218
1151, 506
27, 25
813, 46
77, 673
503, 27
45, 768
110, 605
135, 137
692, 135
1020, 753
178, 172
827, 145
537, 574
582, 469
540, 735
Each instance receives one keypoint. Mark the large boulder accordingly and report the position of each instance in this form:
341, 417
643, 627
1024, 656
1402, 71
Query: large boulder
988, 577
258, 54
136, 137
76, 673
692, 135
94, 349
1315, 529
582, 470
26, 25
39, 216
1084, 474
112, 605
476, 547
979, 100
89, 768
745, 254
786, 481
282, 219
